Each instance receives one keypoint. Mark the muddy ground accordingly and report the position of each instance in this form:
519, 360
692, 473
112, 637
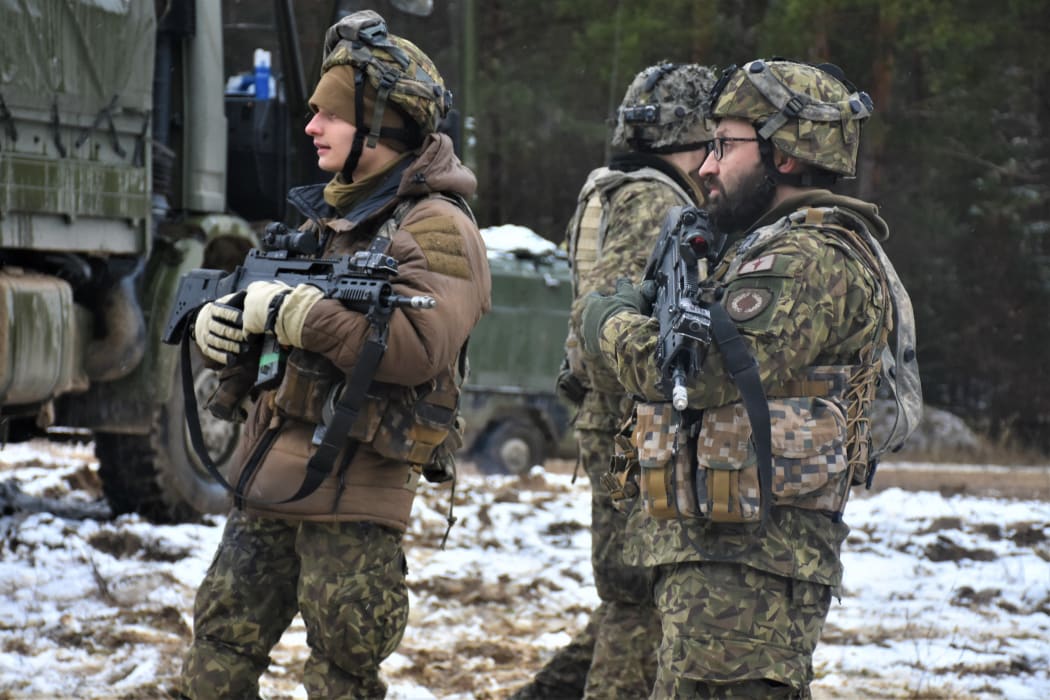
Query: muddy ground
472, 635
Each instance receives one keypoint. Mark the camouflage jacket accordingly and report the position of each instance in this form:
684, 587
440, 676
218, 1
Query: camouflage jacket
799, 299
634, 201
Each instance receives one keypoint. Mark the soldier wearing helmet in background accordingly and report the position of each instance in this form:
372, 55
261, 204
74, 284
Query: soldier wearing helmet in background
332, 551
757, 469
661, 133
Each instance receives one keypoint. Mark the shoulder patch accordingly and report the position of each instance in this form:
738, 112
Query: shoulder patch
442, 245
761, 264
745, 303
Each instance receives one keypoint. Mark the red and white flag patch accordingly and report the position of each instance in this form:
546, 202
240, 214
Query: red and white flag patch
758, 264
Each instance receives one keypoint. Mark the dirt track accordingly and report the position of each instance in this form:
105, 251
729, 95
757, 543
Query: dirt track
951, 479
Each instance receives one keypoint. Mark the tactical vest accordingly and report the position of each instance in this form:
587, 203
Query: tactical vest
821, 431
420, 425
585, 234
585, 237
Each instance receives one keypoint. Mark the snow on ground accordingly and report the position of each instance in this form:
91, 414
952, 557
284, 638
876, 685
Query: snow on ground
944, 597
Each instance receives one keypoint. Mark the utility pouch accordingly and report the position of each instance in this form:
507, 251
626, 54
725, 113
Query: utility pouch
312, 386
655, 437
411, 431
809, 460
442, 464
308, 382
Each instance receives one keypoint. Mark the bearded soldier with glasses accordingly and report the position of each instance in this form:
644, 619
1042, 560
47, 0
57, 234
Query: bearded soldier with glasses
758, 473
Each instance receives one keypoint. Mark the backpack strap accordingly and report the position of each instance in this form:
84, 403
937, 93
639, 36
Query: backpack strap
891, 352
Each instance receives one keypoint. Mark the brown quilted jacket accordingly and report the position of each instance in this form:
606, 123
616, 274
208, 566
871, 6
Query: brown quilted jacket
440, 254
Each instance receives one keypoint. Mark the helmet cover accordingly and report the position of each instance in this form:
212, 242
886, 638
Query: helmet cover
398, 70
665, 109
806, 111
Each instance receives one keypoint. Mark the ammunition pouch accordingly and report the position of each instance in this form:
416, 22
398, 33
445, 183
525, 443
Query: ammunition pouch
809, 460
708, 468
312, 385
406, 424
412, 431
656, 439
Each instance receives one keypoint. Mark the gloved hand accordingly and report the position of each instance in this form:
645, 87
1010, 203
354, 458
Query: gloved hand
261, 303
278, 307
599, 308
218, 330
568, 386
648, 290
293, 312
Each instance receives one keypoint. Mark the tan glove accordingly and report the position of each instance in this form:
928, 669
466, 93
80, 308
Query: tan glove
218, 331
258, 300
278, 307
293, 312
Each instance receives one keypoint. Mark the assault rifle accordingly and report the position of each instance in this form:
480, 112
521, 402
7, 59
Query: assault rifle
361, 281
687, 244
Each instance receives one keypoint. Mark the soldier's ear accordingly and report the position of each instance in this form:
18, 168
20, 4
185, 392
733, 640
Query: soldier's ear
786, 164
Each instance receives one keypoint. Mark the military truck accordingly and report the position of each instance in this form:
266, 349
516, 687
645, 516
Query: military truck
114, 149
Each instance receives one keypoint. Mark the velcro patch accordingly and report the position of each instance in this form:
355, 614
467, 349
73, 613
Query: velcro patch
746, 303
758, 264
442, 245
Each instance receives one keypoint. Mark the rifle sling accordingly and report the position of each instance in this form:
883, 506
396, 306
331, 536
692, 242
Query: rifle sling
336, 435
743, 369
193, 427
193, 421
347, 408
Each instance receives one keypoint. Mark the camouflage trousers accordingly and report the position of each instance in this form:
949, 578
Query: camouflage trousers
731, 631
614, 656
346, 579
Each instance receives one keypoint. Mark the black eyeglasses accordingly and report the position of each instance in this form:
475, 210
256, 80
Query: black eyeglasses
717, 145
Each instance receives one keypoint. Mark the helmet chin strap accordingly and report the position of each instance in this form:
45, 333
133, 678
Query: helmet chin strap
359, 133
410, 135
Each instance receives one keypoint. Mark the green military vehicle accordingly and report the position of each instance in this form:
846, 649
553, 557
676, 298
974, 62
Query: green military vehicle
514, 420
133, 148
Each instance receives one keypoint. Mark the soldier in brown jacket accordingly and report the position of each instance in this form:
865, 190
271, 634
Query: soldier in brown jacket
334, 554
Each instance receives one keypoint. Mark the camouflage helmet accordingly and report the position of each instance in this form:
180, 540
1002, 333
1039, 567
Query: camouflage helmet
809, 112
665, 109
396, 69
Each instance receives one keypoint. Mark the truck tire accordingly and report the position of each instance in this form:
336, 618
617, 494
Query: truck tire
510, 447
159, 476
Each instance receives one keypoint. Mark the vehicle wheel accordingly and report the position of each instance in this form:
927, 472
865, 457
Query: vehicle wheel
511, 447
160, 476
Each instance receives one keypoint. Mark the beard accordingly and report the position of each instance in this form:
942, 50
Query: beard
735, 211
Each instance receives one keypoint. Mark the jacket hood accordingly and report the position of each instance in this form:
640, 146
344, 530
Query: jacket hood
437, 169
825, 198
